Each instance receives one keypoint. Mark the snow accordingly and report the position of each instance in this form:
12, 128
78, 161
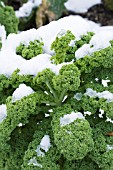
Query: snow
44, 144
3, 112
96, 79
2, 35
34, 162
101, 113
80, 6
47, 115
109, 120
10, 61
78, 96
72, 43
39, 152
72, 23
105, 94
99, 41
27, 8
83, 51
109, 147
87, 113
62, 33
2, 3
23, 37
104, 83
69, 118
48, 33
38, 64
20, 125
21, 91
90, 92
50, 110
65, 97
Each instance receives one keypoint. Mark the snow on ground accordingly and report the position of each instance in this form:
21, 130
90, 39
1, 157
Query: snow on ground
27, 8
80, 6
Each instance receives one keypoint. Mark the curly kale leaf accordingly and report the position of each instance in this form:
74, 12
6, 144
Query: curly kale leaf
72, 138
8, 19
102, 153
32, 50
58, 86
40, 154
65, 46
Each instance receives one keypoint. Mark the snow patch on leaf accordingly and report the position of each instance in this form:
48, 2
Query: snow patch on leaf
69, 118
3, 112
21, 91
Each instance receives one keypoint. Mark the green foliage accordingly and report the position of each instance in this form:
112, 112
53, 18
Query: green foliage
66, 44
108, 4
8, 19
8, 85
85, 164
36, 157
30, 51
103, 152
63, 52
85, 39
15, 115
57, 7
81, 143
68, 78
102, 58
58, 86
77, 132
26, 22
19, 141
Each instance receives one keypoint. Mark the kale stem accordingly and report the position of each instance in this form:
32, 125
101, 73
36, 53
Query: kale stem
51, 90
49, 103
63, 93
44, 90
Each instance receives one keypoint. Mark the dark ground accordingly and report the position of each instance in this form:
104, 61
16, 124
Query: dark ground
99, 14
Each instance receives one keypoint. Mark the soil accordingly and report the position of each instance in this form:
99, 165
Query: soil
99, 14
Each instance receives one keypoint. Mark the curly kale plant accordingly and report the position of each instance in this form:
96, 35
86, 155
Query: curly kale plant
71, 127
30, 51
8, 19
60, 118
42, 149
66, 44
